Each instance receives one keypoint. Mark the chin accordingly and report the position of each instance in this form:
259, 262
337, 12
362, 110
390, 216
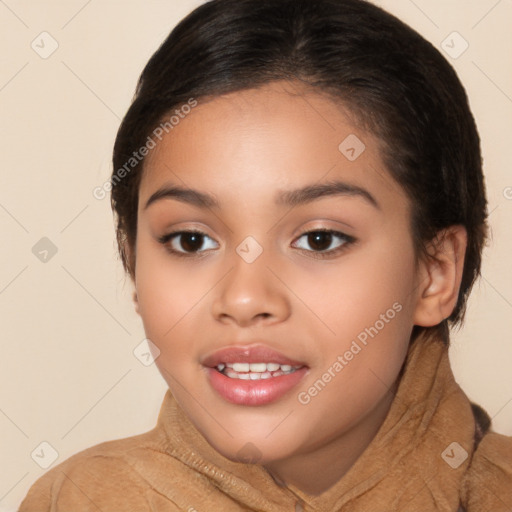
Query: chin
255, 449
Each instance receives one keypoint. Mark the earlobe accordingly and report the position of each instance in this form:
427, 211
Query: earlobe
129, 267
128, 255
440, 277
136, 302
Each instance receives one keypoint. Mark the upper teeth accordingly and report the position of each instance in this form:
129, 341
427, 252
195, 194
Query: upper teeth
256, 367
255, 371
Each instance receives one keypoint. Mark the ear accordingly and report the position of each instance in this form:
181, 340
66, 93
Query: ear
130, 261
128, 255
136, 302
440, 275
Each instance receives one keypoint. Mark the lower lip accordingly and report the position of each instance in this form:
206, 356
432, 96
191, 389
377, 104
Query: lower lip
254, 392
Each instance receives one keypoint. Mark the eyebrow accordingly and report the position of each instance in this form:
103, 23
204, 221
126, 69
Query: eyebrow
292, 198
331, 188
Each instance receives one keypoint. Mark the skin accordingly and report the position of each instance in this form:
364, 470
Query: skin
243, 149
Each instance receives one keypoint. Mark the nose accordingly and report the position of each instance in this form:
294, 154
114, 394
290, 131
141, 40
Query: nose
250, 294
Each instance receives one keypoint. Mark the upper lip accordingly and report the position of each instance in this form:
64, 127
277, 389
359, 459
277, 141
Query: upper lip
257, 353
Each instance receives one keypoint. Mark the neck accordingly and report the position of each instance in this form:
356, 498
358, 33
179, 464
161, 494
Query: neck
316, 471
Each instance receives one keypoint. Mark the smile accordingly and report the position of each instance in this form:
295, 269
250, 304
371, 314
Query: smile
252, 375
255, 371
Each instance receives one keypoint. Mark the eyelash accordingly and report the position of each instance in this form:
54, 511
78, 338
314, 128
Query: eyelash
347, 239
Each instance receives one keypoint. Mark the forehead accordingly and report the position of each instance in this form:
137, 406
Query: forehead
256, 142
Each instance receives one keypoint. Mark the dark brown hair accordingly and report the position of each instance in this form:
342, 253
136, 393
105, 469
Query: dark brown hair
394, 82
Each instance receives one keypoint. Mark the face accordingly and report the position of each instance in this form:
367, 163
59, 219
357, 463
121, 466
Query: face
283, 287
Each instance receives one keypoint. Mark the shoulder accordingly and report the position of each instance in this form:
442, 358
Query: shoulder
488, 481
98, 478
494, 456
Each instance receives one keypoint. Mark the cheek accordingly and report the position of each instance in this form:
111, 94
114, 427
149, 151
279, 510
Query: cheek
367, 304
353, 294
167, 294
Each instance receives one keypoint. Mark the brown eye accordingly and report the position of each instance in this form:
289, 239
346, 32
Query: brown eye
191, 242
185, 243
319, 240
324, 241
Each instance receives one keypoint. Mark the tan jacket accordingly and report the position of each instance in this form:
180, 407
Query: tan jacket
422, 459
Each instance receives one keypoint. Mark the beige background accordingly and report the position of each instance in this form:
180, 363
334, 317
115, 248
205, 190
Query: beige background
68, 373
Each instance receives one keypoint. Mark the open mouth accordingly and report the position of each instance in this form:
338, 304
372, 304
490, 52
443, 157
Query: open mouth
255, 371
252, 375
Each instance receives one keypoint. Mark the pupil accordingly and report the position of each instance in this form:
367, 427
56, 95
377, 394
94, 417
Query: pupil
317, 240
191, 242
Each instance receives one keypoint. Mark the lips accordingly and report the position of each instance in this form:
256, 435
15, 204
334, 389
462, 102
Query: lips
252, 375
248, 354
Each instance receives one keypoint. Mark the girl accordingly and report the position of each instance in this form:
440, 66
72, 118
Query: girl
300, 205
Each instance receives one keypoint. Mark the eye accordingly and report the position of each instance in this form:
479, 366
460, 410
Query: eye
185, 243
325, 242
